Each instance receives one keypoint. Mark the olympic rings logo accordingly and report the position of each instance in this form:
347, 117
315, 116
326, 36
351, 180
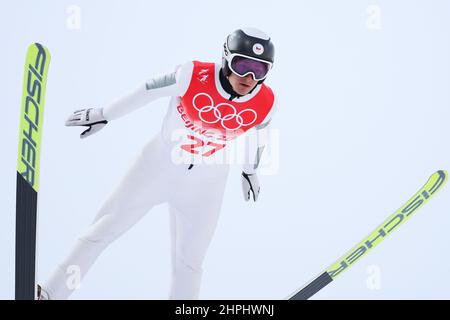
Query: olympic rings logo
226, 113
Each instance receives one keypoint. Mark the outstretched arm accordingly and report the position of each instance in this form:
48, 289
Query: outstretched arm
171, 84
250, 182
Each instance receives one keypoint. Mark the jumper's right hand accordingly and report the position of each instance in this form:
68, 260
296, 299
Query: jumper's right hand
92, 118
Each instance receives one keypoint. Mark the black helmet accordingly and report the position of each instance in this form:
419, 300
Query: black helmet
249, 43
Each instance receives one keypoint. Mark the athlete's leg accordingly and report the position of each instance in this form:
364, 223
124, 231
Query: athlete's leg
194, 216
141, 188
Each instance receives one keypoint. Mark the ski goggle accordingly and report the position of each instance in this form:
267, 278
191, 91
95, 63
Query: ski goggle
242, 66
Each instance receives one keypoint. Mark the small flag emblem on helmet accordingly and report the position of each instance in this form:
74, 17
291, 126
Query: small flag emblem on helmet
258, 49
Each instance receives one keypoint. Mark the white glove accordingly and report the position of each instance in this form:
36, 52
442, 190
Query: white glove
250, 184
92, 118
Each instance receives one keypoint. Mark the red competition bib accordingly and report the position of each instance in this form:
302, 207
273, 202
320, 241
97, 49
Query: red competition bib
213, 119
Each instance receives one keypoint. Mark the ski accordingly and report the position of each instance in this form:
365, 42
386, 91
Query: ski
30, 133
434, 184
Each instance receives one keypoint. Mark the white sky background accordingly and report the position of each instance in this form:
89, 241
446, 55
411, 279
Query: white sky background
364, 105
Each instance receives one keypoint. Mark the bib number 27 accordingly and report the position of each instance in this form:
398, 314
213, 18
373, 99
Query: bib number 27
198, 145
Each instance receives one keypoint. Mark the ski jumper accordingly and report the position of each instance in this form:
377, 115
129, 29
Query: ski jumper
200, 122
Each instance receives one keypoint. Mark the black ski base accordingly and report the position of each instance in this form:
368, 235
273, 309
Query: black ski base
26, 218
315, 286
